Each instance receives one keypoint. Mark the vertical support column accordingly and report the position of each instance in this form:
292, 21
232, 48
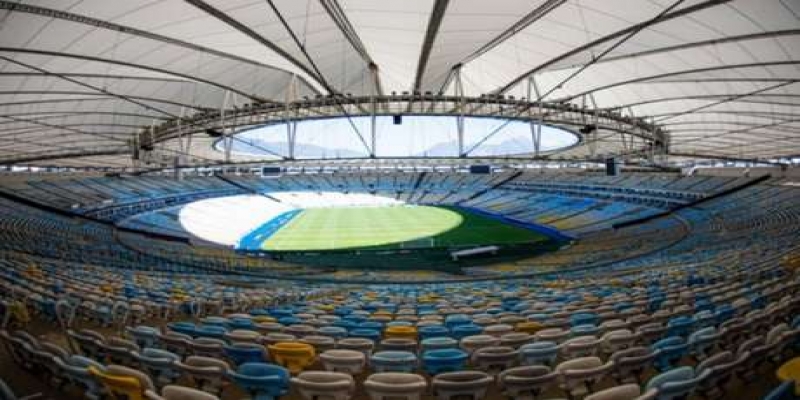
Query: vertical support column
180, 156
536, 127
226, 140
373, 129
289, 114
459, 92
136, 151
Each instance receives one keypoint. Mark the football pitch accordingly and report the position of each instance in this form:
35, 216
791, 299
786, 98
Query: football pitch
393, 227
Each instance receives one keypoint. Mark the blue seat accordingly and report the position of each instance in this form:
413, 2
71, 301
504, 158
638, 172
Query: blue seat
701, 342
371, 325
583, 319
461, 331
677, 383
444, 360
432, 331
281, 312
160, 364
453, 320
187, 328
242, 353
357, 318
680, 326
539, 353
144, 336
215, 321
286, 321
399, 323
436, 343
784, 391
393, 361
373, 334
241, 323
346, 324
262, 381
724, 313
669, 352
584, 330
210, 331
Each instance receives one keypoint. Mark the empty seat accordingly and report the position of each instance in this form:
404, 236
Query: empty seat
320, 343
539, 353
494, 359
461, 384
578, 376
262, 381
294, 356
472, 343
444, 360
677, 383
205, 373
399, 344
526, 382
393, 361
669, 352
76, 370
625, 392
401, 332
630, 364
436, 343
124, 382
341, 360
363, 345
159, 364
314, 385
395, 385
244, 352
174, 392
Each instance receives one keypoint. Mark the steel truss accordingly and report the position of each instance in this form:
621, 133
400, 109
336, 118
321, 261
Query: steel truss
620, 135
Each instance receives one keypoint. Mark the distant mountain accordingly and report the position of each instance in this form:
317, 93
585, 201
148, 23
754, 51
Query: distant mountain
510, 146
302, 150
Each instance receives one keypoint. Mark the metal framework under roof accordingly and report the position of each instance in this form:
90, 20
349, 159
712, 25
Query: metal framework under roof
97, 82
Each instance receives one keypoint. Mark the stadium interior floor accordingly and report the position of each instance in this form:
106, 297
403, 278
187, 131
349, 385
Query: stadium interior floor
25, 383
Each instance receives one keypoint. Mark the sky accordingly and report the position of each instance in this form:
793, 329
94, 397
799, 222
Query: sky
416, 136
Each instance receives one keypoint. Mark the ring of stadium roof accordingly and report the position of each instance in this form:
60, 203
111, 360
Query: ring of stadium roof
88, 83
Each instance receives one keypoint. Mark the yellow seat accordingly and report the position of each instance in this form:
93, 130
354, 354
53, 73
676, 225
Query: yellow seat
293, 356
790, 371
401, 332
529, 327
123, 382
263, 318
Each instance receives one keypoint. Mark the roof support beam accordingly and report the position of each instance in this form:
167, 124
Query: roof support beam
726, 158
539, 12
618, 34
710, 97
726, 100
435, 21
126, 64
682, 72
712, 42
76, 93
90, 86
339, 18
52, 13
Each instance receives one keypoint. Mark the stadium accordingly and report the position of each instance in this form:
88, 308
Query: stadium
416, 199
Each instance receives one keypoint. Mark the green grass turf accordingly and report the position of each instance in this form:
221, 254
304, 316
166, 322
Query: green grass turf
392, 227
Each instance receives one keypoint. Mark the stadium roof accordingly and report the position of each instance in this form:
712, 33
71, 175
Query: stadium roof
80, 78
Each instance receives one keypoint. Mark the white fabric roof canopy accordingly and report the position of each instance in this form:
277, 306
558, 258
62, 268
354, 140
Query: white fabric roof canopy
81, 77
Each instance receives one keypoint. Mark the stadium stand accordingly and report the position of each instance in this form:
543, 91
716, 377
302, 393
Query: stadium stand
400, 200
